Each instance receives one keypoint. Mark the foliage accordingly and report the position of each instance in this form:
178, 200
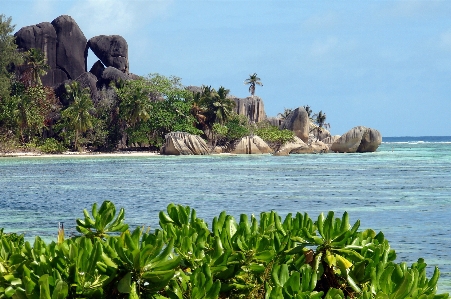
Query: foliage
78, 116
268, 257
273, 135
52, 146
34, 67
319, 120
8, 55
154, 106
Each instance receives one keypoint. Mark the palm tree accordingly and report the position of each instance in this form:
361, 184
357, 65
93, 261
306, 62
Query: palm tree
320, 120
285, 113
35, 66
78, 114
308, 110
223, 106
252, 81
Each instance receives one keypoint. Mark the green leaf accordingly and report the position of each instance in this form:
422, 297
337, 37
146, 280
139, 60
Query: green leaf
125, 284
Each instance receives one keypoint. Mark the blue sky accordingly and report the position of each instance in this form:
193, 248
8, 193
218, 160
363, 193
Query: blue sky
380, 64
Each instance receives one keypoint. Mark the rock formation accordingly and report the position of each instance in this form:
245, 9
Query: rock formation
288, 147
252, 107
359, 139
112, 74
71, 51
251, 145
323, 134
112, 50
181, 143
298, 122
63, 45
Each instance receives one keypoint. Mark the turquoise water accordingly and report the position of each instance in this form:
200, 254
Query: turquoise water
403, 189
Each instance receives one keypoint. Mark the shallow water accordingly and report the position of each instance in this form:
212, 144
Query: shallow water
403, 189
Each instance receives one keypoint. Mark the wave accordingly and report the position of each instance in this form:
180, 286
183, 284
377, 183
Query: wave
417, 139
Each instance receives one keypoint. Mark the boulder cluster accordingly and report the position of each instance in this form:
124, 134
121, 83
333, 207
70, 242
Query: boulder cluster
65, 48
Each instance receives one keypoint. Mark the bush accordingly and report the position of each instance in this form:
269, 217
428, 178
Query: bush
273, 135
52, 146
294, 257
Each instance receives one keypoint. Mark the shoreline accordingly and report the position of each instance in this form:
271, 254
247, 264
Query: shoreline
79, 154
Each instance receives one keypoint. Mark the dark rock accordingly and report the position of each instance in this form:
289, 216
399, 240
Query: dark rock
112, 50
43, 37
88, 80
71, 51
298, 122
112, 74
97, 69
60, 92
252, 107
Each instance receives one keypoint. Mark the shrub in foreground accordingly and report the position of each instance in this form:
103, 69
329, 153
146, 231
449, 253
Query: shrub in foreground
269, 257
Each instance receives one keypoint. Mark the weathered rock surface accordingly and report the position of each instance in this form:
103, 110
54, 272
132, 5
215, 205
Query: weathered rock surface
88, 80
359, 139
41, 36
298, 122
321, 135
71, 51
112, 74
112, 50
252, 107
330, 140
251, 145
181, 143
370, 141
97, 69
288, 147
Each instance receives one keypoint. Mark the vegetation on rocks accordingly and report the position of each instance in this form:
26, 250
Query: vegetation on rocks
264, 257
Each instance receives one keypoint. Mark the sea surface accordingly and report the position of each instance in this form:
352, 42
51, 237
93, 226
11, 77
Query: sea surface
402, 189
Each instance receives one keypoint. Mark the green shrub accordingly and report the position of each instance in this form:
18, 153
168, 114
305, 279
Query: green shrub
52, 146
269, 257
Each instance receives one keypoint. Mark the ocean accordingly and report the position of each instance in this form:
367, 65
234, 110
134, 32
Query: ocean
403, 189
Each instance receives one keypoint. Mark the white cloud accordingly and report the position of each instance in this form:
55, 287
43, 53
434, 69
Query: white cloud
121, 17
331, 46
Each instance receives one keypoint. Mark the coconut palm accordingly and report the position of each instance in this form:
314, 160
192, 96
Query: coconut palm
252, 81
78, 114
223, 106
35, 67
308, 110
320, 121
285, 113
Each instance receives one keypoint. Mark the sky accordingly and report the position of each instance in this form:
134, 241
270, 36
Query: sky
380, 64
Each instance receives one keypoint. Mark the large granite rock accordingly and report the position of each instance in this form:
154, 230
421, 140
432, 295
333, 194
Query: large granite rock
181, 143
251, 145
88, 80
287, 148
252, 107
359, 139
112, 50
71, 51
112, 74
41, 36
97, 69
298, 122
330, 140
318, 134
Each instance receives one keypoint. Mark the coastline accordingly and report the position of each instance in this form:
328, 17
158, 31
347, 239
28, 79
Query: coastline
79, 154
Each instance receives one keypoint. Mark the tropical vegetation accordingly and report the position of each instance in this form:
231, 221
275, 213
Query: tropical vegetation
251, 257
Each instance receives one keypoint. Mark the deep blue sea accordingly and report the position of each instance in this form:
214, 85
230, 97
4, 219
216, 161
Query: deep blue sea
403, 189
